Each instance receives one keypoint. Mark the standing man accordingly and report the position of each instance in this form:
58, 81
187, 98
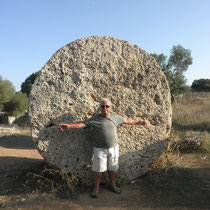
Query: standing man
106, 150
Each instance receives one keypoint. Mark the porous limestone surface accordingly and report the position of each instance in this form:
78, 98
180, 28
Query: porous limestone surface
68, 89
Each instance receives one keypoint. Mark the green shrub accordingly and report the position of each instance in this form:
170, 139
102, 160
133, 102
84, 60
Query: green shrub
18, 104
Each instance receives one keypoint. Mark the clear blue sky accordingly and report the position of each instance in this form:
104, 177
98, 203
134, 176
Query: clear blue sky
31, 31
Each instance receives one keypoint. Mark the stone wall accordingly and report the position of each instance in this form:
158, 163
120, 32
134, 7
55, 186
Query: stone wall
68, 89
9, 129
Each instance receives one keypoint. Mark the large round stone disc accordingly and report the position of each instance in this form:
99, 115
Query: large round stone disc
68, 89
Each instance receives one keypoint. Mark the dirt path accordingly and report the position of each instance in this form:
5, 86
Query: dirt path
185, 185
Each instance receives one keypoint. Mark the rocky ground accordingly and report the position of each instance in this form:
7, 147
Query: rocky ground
183, 184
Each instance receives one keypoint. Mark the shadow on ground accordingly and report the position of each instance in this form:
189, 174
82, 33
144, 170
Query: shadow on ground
17, 142
13, 173
159, 188
174, 188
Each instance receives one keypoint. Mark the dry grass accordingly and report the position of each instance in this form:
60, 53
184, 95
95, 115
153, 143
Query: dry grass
206, 141
51, 181
25, 131
192, 113
191, 117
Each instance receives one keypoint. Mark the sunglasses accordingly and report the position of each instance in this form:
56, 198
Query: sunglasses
103, 106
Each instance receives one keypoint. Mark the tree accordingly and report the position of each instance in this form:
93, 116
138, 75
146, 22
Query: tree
27, 84
161, 60
175, 67
17, 105
201, 85
7, 91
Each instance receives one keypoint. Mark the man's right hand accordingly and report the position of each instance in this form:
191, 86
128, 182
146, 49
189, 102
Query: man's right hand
63, 127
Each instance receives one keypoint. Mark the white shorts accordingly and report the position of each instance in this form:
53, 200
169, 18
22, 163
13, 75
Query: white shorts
105, 159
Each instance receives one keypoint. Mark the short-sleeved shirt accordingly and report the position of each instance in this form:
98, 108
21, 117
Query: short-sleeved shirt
105, 129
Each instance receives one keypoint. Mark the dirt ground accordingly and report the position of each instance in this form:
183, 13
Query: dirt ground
183, 185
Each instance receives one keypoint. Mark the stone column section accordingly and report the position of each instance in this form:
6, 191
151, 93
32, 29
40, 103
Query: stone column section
68, 89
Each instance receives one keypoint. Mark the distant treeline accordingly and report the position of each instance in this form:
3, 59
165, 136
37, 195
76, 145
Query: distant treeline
201, 85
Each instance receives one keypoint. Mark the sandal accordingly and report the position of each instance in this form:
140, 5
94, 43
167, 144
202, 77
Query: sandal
95, 193
115, 189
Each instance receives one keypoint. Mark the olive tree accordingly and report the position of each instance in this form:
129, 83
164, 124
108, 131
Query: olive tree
174, 68
7, 91
27, 84
17, 105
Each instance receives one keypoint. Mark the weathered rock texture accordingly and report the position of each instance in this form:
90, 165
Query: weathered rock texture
68, 89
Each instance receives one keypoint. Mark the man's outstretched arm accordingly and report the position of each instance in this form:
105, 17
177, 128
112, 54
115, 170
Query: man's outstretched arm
129, 121
64, 126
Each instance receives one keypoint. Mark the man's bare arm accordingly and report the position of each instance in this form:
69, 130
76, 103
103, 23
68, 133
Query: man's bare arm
64, 126
129, 121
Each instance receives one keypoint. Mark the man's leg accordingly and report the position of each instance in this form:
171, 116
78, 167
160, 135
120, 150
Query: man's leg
113, 187
113, 167
96, 180
112, 175
99, 165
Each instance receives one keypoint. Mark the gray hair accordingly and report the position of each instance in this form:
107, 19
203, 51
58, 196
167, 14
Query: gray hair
105, 100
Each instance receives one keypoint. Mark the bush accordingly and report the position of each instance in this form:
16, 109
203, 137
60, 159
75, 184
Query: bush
201, 85
27, 84
18, 104
7, 91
